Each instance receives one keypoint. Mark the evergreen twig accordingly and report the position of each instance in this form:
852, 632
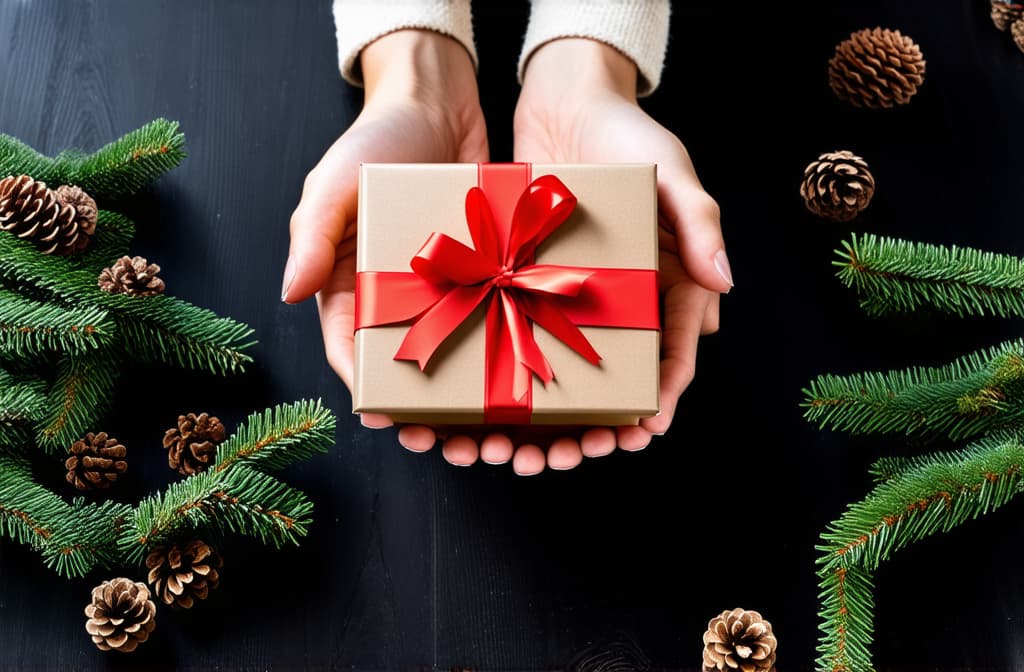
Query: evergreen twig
977, 393
78, 398
278, 437
127, 164
928, 495
28, 327
892, 275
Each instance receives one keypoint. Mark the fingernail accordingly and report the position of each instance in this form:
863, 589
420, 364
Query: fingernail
289, 275
560, 468
493, 463
373, 425
657, 433
722, 266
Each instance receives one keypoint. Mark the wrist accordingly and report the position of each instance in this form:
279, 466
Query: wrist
571, 67
419, 65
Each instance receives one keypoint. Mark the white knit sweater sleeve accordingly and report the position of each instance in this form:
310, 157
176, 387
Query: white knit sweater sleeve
637, 28
360, 22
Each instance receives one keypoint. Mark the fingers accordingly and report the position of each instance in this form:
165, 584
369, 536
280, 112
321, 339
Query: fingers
696, 220
319, 222
529, 460
685, 309
375, 420
417, 438
711, 316
632, 438
564, 454
598, 441
460, 450
496, 449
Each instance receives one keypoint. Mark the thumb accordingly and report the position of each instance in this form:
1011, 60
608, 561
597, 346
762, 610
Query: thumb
318, 226
695, 220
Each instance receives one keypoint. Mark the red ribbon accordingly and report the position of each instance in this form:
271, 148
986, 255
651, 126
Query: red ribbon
508, 218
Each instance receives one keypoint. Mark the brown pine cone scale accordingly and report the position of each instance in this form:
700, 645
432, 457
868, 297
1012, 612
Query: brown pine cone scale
837, 186
739, 640
95, 462
120, 616
876, 68
57, 222
192, 445
182, 574
133, 276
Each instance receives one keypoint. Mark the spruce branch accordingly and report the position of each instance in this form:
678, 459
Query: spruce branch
28, 328
919, 498
892, 275
846, 613
72, 538
22, 404
977, 393
114, 234
237, 500
17, 158
155, 328
277, 437
78, 398
127, 164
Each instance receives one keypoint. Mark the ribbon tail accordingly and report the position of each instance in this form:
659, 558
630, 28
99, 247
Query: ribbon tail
551, 279
527, 353
438, 323
559, 326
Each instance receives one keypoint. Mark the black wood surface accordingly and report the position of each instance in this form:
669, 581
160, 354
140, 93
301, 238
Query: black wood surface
413, 564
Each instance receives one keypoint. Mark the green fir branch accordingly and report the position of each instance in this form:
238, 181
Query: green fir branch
17, 158
77, 400
22, 404
72, 538
114, 234
846, 612
127, 164
277, 437
975, 394
155, 328
934, 494
892, 275
28, 327
237, 500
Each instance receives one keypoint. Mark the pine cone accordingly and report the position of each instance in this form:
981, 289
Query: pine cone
78, 214
95, 462
121, 615
192, 445
180, 574
1017, 30
837, 186
1004, 14
131, 275
876, 68
739, 640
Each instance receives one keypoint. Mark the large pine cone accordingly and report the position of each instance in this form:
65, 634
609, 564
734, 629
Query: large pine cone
876, 68
180, 575
131, 275
95, 462
58, 222
739, 640
121, 615
1004, 14
192, 445
838, 186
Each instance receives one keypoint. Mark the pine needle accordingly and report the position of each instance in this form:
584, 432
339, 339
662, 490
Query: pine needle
277, 437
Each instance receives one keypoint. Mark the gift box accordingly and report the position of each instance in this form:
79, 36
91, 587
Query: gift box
507, 293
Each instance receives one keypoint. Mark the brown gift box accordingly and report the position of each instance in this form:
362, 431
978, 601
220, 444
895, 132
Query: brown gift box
614, 225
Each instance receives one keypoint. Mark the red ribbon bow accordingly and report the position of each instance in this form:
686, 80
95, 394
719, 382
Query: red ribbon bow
450, 280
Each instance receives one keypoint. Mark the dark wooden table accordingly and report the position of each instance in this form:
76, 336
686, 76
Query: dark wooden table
413, 564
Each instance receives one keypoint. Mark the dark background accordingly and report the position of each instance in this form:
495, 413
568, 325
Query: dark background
413, 564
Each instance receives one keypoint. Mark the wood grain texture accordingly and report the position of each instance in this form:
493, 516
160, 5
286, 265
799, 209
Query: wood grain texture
412, 564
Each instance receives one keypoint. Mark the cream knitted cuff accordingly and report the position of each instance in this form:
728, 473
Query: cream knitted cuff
637, 28
360, 22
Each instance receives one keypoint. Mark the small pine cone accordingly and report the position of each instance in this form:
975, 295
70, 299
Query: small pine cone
739, 640
1004, 14
837, 186
121, 615
876, 68
181, 575
131, 275
95, 462
78, 214
192, 445
1017, 30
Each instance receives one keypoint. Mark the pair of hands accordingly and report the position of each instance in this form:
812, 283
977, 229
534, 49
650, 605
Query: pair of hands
577, 105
